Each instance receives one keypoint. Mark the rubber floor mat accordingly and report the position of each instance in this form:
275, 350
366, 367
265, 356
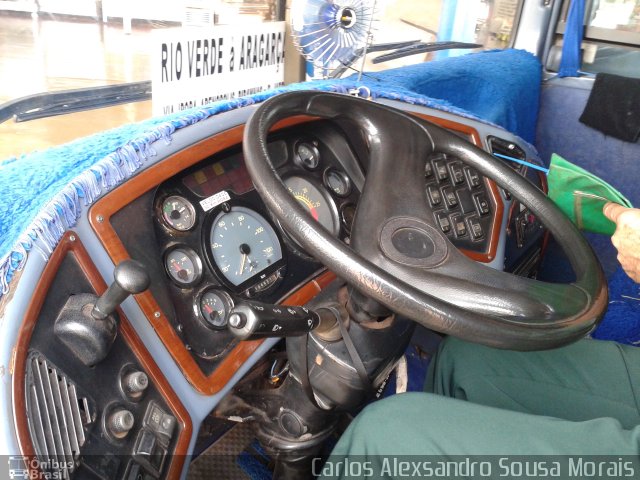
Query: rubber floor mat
236, 456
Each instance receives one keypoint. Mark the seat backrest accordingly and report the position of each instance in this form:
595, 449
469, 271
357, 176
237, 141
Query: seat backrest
559, 130
562, 101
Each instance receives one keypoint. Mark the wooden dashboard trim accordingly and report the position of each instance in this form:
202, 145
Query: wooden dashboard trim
100, 215
494, 236
71, 243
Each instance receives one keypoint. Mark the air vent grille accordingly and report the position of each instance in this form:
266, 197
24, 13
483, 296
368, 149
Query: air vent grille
58, 415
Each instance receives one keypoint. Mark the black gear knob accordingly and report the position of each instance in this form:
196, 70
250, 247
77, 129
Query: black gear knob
130, 277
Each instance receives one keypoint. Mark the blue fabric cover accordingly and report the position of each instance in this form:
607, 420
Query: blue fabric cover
501, 86
44, 192
622, 320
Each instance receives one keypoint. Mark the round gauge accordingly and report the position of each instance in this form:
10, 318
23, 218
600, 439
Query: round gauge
243, 244
321, 208
338, 182
178, 213
183, 266
307, 155
213, 309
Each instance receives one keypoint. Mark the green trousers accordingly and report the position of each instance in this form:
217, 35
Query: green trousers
583, 399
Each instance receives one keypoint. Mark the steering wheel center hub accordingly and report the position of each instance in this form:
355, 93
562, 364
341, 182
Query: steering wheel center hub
410, 241
413, 242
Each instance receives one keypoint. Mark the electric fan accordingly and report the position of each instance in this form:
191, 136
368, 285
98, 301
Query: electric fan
332, 34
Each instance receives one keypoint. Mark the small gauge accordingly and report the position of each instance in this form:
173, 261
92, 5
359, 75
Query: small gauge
183, 266
338, 182
321, 208
178, 213
307, 155
213, 309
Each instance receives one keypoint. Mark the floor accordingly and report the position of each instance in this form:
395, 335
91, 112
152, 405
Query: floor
224, 459
49, 53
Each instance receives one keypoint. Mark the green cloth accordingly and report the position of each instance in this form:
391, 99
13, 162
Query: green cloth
582, 399
581, 195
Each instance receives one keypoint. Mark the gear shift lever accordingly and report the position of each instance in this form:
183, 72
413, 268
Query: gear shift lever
129, 278
88, 325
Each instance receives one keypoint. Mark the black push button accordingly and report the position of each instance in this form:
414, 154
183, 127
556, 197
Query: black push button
428, 170
459, 227
167, 425
473, 177
475, 228
466, 202
482, 204
450, 197
153, 417
146, 444
443, 222
441, 171
457, 174
434, 196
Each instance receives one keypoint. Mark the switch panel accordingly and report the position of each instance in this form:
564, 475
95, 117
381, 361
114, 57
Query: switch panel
460, 200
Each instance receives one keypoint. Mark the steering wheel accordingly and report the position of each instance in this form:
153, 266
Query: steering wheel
401, 259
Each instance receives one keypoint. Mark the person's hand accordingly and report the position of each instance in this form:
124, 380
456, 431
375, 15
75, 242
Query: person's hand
627, 237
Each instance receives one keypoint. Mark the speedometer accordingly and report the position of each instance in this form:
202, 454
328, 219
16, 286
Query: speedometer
243, 244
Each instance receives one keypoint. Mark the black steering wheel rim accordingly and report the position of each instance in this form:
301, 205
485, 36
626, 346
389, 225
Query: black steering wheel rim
516, 313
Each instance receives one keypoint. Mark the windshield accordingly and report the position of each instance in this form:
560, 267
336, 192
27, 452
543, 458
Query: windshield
58, 45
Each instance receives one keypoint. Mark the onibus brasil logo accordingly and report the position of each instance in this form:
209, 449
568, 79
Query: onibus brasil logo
21, 467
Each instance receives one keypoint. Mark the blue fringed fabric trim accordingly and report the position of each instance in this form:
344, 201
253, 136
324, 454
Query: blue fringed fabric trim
97, 177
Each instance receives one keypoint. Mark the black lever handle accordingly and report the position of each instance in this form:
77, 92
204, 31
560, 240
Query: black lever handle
129, 277
249, 320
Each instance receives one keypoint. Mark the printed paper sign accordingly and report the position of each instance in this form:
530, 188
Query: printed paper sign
194, 66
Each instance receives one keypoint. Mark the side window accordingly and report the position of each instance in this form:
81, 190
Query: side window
611, 37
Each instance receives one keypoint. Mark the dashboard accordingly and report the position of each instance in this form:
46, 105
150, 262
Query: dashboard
215, 237
196, 224
203, 232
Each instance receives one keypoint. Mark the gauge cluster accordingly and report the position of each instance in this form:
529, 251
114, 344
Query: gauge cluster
217, 238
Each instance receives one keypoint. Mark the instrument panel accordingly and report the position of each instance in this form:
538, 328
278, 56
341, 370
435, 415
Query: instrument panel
215, 236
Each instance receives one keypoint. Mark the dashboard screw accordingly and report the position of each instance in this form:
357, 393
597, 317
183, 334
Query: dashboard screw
157, 314
72, 238
179, 327
226, 207
100, 218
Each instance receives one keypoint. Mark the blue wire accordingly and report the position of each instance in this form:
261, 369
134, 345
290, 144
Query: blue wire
522, 162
